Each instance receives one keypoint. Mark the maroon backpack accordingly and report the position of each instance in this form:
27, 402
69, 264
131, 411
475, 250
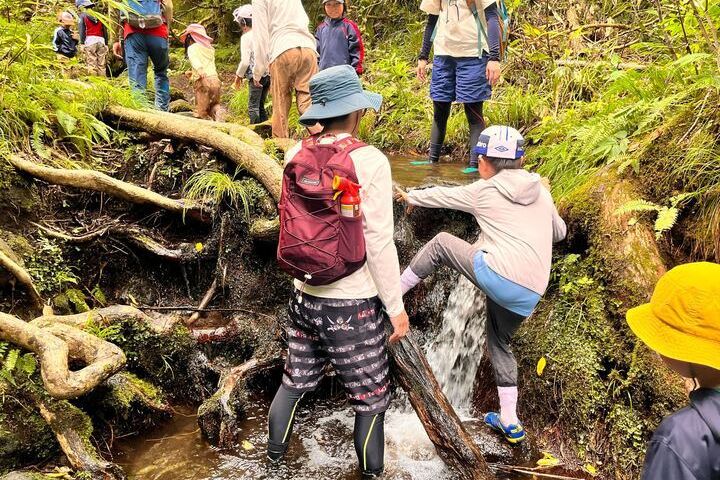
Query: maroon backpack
317, 244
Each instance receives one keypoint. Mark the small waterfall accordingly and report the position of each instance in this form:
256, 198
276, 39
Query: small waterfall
455, 353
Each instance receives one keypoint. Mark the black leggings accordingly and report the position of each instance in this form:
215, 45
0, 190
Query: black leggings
441, 113
369, 432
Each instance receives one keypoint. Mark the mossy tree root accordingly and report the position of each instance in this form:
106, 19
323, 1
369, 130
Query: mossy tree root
218, 415
108, 316
9, 263
72, 429
248, 156
99, 182
56, 344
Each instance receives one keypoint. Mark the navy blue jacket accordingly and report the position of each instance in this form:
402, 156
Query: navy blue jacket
686, 445
64, 43
339, 43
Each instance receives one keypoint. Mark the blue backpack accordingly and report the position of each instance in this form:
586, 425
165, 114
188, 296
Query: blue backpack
144, 13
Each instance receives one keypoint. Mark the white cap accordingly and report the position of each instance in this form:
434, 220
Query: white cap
500, 141
243, 11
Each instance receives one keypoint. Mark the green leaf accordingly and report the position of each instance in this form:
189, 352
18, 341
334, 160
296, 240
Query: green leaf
11, 360
637, 206
667, 216
67, 122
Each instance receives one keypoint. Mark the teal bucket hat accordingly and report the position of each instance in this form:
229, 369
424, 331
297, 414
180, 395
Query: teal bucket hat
336, 91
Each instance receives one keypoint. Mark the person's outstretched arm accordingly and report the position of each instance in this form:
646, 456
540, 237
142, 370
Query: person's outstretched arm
427, 37
457, 198
492, 71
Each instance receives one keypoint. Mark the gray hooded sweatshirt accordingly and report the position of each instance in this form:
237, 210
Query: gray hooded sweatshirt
518, 222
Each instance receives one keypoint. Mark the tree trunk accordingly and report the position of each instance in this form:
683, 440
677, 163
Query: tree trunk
262, 167
452, 442
99, 182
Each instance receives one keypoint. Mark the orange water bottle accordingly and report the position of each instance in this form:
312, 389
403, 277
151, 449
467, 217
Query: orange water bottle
349, 193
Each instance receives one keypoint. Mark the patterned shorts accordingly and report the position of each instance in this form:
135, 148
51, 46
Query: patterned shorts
350, 335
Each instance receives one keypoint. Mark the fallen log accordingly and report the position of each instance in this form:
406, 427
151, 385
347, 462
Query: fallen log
99, 182
72, 429
262, 167
10, 262
55, 345
452, 441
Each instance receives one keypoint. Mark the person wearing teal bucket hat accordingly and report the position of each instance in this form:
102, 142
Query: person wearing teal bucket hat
340, 316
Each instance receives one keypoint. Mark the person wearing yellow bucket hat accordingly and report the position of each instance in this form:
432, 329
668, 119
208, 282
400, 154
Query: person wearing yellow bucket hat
682, 324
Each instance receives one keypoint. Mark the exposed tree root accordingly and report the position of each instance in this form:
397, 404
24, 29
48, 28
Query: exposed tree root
72, 429
266, 230
108, 316
99, 182
55, 345
262, 167
10, 262
127, 383
452, 441
203, 303
136, 236
218, 415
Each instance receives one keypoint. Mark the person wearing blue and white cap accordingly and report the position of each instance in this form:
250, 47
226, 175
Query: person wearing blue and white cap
343, 321
511, 259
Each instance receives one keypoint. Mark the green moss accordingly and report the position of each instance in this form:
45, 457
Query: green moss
77, 299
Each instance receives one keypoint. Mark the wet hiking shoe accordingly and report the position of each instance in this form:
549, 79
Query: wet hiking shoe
470, 170
512, 433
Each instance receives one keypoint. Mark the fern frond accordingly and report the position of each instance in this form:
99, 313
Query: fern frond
667, 216
637, 206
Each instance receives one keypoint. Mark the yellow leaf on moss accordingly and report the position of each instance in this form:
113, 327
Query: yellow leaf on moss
247, 445
548, 460
541, 366
199, 247
590, 469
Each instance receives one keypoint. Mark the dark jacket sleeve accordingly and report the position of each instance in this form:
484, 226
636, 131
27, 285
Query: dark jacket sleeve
319, 39
493, 33
662, 463
81, 27
427, 37
356, 49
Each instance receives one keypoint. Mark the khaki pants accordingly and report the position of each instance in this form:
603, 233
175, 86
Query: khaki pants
207, 98
290, 71
95, 58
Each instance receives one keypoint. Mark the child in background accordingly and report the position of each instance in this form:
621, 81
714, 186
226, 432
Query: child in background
338, 38
256, 95
682, 324
201, 54
65, 41
511, 260
93, 38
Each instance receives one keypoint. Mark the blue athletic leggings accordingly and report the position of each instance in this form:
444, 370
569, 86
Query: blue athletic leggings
369, 432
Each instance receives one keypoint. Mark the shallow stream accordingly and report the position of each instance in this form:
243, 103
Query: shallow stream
322, 446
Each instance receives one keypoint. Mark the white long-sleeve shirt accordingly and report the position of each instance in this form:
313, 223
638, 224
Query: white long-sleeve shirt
279, 25
246, 53
381, 273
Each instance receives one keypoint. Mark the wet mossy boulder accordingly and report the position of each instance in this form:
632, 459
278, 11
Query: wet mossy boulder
25, 437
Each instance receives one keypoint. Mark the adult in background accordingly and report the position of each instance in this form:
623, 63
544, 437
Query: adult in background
285, 47
465, 66
145, 34
256, 95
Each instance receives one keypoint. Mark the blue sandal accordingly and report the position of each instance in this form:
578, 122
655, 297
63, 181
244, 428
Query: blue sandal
512, 433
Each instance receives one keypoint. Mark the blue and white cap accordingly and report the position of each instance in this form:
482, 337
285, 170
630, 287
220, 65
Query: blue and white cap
500, 141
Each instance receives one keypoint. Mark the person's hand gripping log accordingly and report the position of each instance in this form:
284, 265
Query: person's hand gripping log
402, 197
401, 326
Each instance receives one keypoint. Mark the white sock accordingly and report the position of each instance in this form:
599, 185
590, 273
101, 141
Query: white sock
408, 280
508, 405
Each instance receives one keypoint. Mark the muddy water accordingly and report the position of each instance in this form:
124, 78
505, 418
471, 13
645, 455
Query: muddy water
322, 448
409, 175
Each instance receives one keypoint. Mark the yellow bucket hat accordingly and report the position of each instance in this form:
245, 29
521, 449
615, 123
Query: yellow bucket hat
682, 320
